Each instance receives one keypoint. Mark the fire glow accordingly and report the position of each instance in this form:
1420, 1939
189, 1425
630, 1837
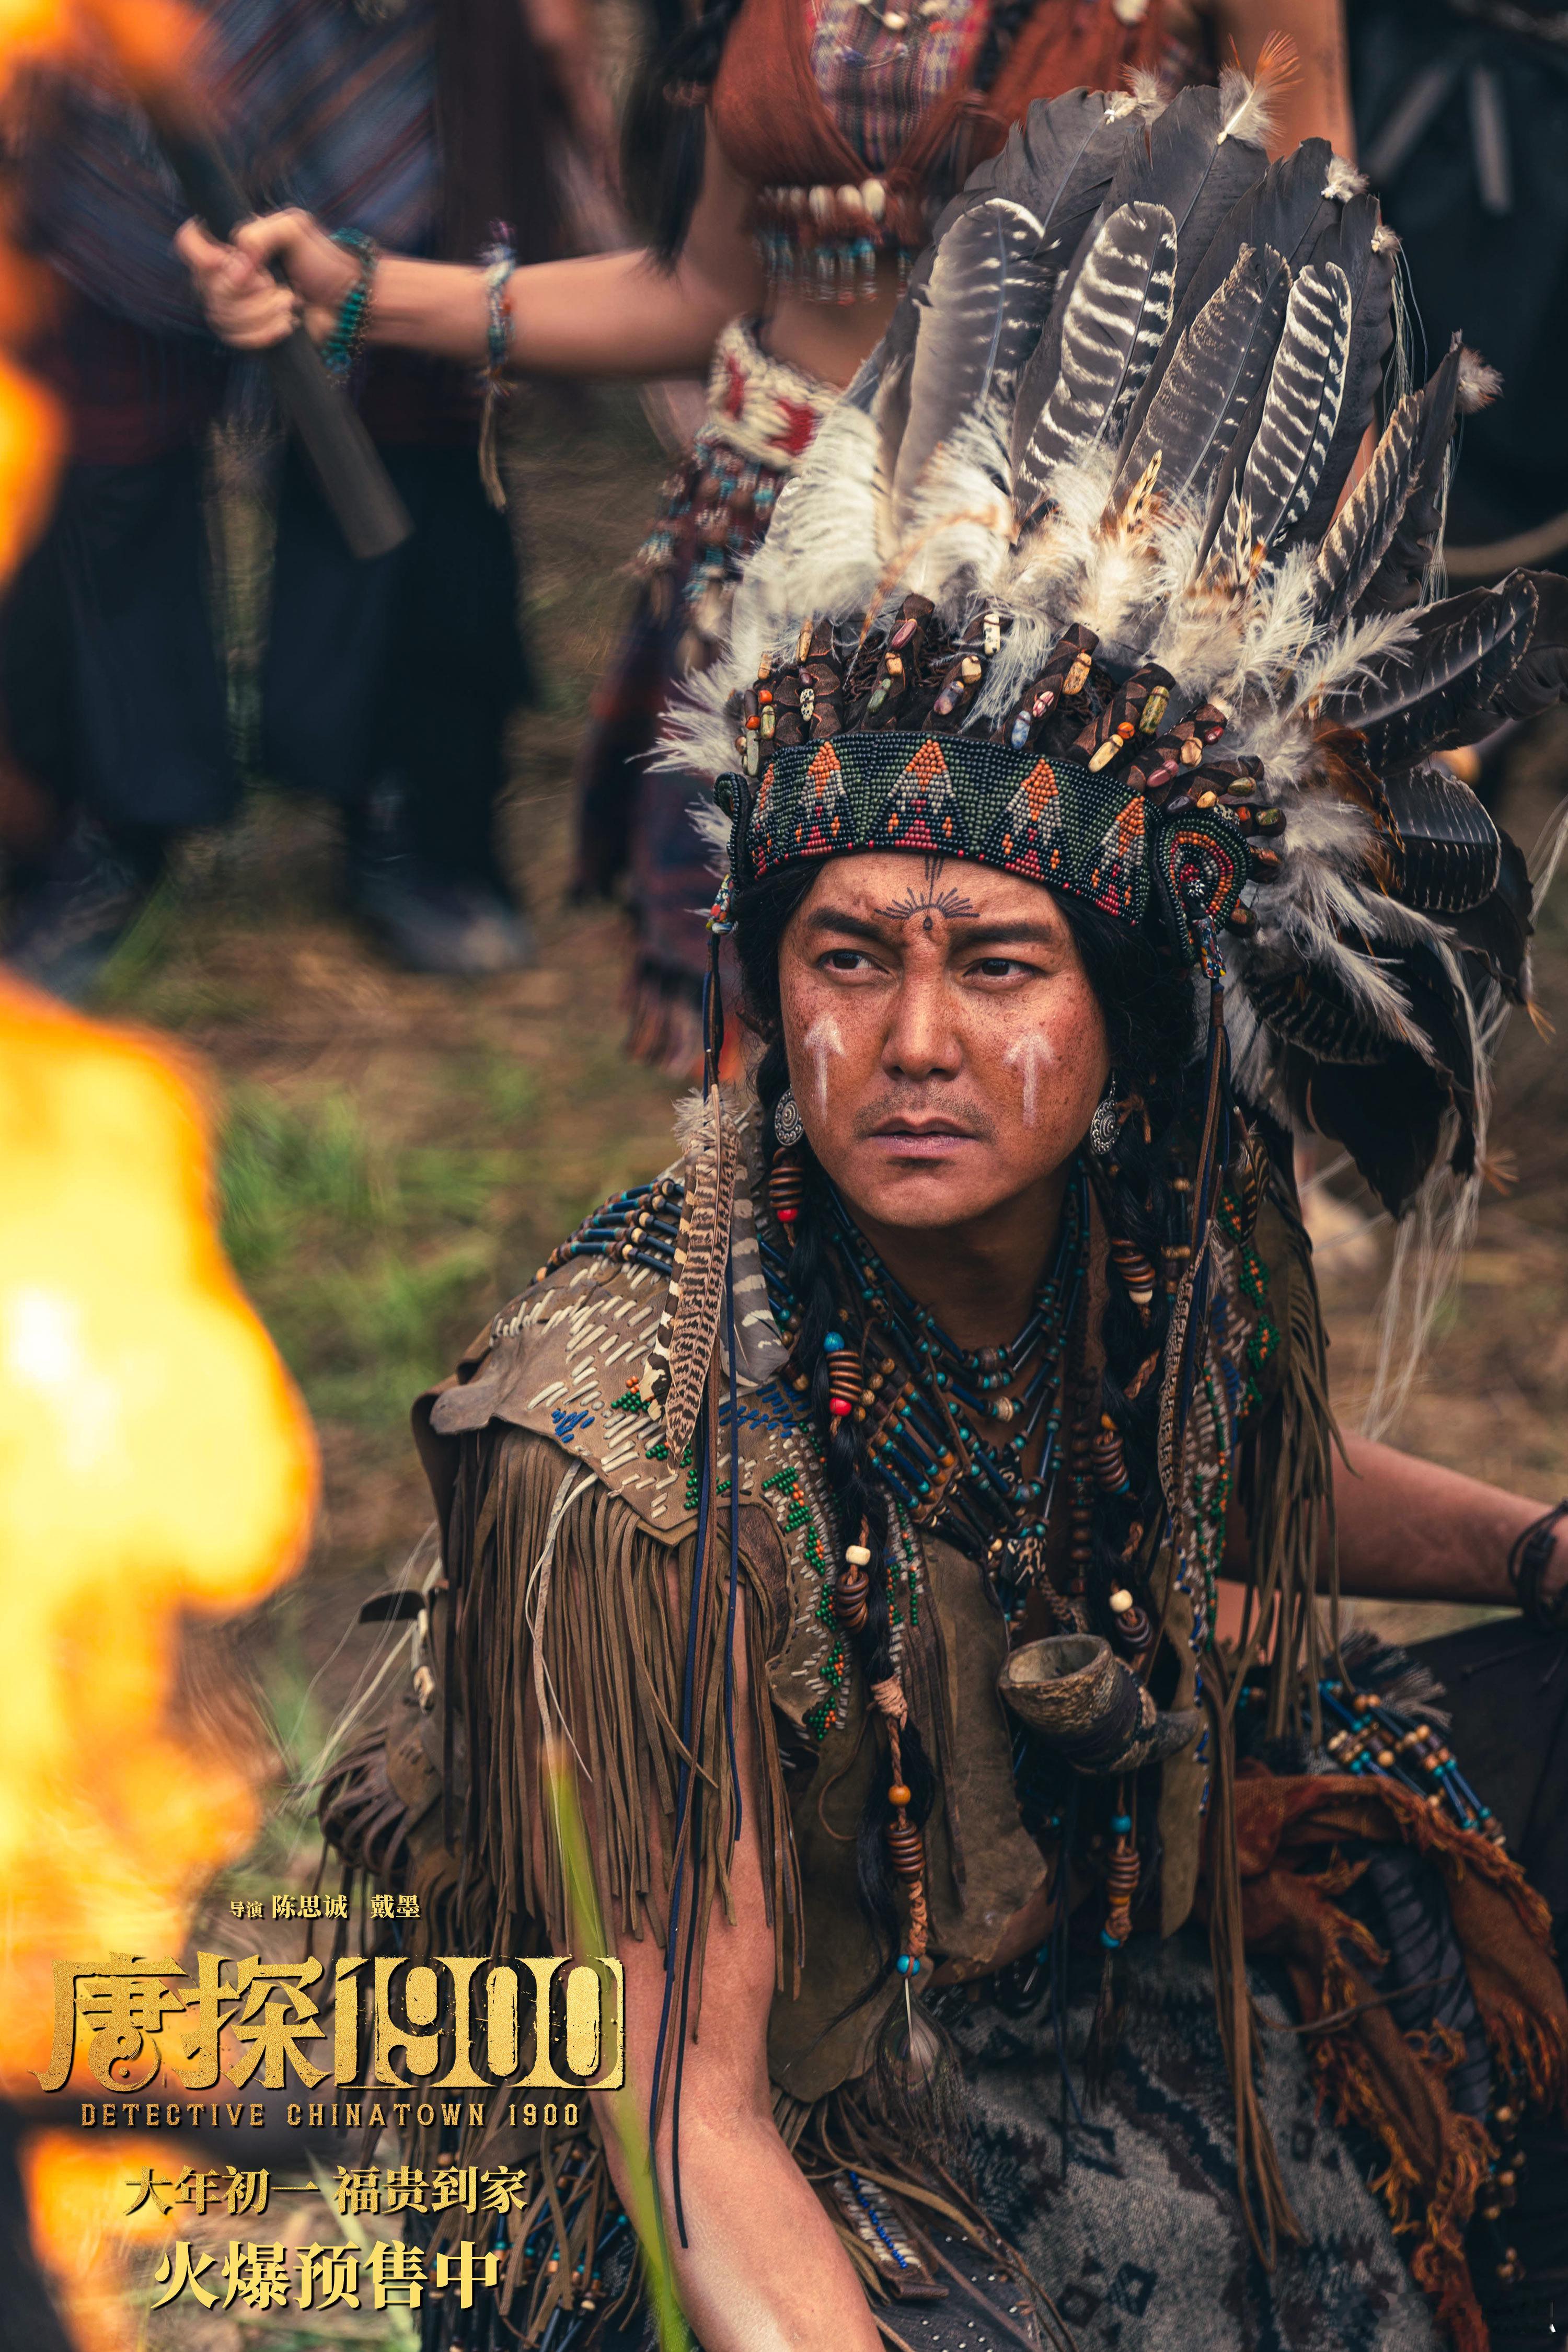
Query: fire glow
155, 1465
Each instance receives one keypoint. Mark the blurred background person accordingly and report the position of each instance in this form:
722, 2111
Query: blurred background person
786, 157
634, 834
1461, 111
387, 686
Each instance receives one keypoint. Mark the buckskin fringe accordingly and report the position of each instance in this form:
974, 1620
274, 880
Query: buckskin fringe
1294, 1844
1287, 1485
557, 1595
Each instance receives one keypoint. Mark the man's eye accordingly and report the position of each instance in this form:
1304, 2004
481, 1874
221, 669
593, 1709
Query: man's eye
997, 967
844, 960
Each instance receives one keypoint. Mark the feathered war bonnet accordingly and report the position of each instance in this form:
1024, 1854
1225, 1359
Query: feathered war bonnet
1069, 583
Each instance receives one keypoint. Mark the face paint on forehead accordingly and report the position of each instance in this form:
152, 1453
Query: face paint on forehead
822, 1042
1030, 1054
931, 898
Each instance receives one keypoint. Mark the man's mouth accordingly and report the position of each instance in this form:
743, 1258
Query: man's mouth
908, 1135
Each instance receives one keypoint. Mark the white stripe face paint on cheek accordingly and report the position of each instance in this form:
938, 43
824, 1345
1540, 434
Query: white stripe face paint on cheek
1030, 1054
822, 1042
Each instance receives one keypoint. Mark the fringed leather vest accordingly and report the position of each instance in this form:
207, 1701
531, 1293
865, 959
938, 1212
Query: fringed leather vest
563, 1517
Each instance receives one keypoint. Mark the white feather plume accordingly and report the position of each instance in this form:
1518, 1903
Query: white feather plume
1245, 106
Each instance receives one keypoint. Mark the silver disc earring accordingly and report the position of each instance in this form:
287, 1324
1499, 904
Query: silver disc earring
789, 1129
1106, 1125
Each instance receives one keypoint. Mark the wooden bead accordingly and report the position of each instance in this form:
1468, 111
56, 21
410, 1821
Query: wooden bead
1109, 1462
1137, 1273
899, 1795
851, 1599
785, 1184
907, 1847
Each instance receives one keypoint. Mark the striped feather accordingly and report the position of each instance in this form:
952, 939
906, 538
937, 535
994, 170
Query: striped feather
1400, 579
1300, 412
1286, 213
1433, 688
1365, 251
1359, 538
1217, 372
698, 1292
1444, 850
1114, 322
981, 314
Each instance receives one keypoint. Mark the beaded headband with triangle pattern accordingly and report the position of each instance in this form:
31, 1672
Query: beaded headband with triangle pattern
1160, 827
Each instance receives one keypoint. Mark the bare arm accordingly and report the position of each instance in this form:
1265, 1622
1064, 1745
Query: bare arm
609, 314
1409, 1530
764, 2269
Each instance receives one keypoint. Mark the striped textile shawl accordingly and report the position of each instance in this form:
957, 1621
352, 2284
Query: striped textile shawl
325, 107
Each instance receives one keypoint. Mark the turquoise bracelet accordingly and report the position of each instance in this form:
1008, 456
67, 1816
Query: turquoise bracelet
341, 348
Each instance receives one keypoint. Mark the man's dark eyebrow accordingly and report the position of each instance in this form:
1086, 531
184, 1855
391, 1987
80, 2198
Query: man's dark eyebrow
1026, 933
837, 919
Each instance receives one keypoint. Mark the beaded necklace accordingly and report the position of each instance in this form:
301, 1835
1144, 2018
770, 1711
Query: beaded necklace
924, 1398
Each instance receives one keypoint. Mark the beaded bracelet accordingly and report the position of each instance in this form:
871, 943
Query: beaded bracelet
500, 259
343, 346
1528, 1561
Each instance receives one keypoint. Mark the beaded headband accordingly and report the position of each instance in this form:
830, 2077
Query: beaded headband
853, 751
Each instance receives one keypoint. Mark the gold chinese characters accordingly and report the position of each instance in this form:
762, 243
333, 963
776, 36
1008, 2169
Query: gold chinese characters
390, 2022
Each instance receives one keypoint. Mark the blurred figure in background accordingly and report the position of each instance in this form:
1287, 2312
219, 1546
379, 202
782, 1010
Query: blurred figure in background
387, 686
1462, 112
830, 135
787, 158
919, 94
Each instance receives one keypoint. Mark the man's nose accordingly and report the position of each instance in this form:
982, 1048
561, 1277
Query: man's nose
922, 1039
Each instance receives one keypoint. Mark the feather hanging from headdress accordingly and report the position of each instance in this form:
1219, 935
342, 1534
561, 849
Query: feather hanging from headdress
1434, 689
1445, 852
696, 1294
1496, 934
1539, 677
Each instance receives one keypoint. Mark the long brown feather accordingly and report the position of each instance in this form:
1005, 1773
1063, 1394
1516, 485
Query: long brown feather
711, 1159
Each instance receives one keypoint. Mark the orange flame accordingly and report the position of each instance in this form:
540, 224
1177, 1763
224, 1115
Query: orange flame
154, 1460
82, 2232
154, 1463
